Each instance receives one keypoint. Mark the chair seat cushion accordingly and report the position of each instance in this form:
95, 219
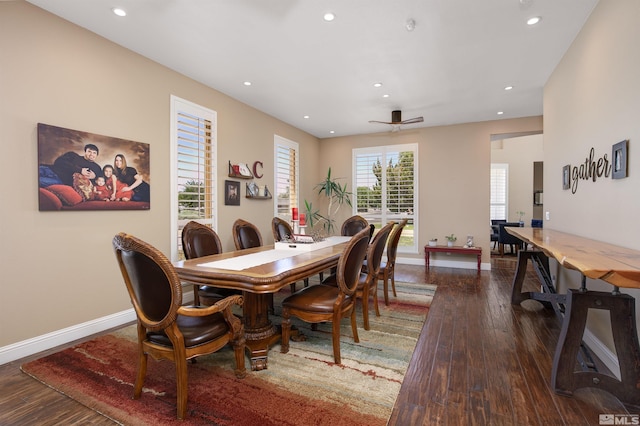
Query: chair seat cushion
196, 330
331, 280
316, 298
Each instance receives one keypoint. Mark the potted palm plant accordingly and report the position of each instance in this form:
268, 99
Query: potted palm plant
336, 194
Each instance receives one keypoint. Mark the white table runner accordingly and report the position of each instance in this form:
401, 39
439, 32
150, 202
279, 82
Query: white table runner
246, 261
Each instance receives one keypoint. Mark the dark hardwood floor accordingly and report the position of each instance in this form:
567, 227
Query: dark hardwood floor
479, 360
482, 361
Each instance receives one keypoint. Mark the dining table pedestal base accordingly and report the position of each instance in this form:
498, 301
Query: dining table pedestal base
260, 332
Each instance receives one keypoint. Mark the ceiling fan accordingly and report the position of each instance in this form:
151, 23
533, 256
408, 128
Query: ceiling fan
397, 121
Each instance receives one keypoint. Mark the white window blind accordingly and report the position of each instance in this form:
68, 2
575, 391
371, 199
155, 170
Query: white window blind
386, 188
286, 174
193, 176
499, 183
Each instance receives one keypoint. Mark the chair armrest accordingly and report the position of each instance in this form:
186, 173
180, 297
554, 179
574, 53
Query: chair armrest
220, 306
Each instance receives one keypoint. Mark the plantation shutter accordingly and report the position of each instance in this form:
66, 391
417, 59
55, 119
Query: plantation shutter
286, 177
385, 182
193, 175
499, 179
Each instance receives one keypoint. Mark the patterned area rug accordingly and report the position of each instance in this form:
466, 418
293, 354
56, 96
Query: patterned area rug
302, 387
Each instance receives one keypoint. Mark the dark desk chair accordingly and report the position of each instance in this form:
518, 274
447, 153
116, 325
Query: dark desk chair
326, 303
197, 241
166, 329
504, 238
368, 281
495, 230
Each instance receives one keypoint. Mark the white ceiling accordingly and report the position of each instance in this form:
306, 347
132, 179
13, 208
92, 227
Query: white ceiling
452, 68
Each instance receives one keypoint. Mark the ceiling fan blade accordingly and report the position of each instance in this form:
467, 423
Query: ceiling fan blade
413, 120
381, 122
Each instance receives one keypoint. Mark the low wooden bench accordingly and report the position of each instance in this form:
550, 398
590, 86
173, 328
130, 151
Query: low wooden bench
452, 249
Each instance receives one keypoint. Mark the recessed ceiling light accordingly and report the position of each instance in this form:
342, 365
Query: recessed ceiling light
508, 88
500, 112
247, 83
385, 96
118, 11
534, 20
329, 16
332, 131
377, 84
306, 117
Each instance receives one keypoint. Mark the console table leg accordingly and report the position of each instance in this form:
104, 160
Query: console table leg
621, 307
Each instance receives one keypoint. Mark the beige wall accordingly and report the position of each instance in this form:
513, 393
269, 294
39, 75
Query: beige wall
454, 164
592, 99
58, 268
520, 153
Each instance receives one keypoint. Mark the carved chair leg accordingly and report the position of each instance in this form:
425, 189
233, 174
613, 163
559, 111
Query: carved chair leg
286, 331
196, 295
335, 337
385, 287
365, 306
374, 289
392, 274
354, 326
181, 385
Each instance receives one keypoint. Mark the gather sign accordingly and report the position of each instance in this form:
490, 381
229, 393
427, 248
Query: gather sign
592, 169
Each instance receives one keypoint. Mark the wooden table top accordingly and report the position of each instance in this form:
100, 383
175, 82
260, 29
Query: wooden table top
266, 278
616, 265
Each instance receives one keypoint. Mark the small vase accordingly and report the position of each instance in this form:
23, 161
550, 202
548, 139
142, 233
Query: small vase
450, 243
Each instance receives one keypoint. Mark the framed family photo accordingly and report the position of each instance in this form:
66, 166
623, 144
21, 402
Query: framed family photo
79, 170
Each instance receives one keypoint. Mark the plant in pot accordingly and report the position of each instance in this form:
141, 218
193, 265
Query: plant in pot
520, 214
451, 239
336, 194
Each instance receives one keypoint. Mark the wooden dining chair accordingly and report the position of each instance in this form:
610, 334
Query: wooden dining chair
166, 329
368, 280
326, 303
353, 225
387, 268
245, 235
199, 240
282, 231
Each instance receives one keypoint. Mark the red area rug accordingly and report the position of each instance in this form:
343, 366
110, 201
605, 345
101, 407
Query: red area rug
302, 387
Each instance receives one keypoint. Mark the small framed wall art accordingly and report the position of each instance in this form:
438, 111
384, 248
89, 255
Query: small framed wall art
619, 158
566, 177
231, 193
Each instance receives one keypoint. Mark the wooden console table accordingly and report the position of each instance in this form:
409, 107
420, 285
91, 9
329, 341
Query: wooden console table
615, 265
453, 249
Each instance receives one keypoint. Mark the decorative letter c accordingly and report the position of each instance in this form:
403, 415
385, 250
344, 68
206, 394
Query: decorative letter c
255, 169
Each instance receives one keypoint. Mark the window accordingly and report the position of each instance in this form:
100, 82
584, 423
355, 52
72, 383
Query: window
193, 156
286, 161
386, 188
499, 188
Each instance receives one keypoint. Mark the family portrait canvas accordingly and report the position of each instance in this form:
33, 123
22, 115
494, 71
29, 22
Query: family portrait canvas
85, 171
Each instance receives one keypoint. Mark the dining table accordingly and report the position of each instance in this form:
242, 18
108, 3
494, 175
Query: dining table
597, 260
260, 272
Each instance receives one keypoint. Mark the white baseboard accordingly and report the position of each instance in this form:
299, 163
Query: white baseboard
66, 335
444, 263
